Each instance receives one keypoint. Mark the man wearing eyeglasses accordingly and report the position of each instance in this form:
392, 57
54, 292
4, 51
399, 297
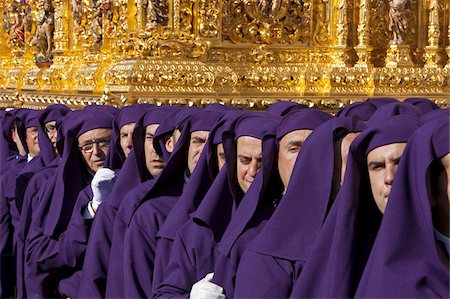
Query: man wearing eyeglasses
94, 147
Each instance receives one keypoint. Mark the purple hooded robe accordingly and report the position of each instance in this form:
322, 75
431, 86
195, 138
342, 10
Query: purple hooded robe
27, 187
425, 105
404, 261
199, 183
140, 237
132, 174
260, 201
192, 254
274, 259
338, 256
58, 234
115, 273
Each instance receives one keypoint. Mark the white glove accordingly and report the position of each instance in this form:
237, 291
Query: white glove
102, 185
205, 289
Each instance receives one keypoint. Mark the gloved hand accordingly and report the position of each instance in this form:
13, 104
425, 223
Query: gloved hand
102, 185
205, 289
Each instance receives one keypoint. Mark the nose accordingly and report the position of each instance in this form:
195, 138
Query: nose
253, 168
130, 141
389, 174
96, 149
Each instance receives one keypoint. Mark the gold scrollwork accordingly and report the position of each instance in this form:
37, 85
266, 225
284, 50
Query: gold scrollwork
267, 21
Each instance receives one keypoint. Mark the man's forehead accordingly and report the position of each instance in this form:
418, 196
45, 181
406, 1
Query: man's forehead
387, 151
295, 135
203, 134
95, 133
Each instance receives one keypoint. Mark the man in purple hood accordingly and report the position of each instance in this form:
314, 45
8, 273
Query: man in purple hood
274, 259
33, 177
410, 256
140, 237
59, 230
132, 174
211, 161
264, 194
192, 254
338, 257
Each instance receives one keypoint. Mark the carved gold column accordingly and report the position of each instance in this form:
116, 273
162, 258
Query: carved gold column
362, 50
448, 47
341, 48
61, 37
432, 55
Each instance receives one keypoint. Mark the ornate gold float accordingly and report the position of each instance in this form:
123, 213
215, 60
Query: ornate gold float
248, 53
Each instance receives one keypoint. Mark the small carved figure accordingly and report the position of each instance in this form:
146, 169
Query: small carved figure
96, 26
398, 14
155, 12
268, 8
77, 12
14, 26
43, 38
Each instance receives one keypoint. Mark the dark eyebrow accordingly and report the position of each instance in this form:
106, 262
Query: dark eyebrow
150, 134
375, 164
244, 157
199, 139
294, 143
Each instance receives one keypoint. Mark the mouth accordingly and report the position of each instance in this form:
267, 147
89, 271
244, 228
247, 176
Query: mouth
157, 163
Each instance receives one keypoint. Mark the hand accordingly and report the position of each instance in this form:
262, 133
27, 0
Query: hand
102, 185
205, 289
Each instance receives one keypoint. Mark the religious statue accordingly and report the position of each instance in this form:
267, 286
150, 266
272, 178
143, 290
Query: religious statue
96, 25
14, 25
268, 8
155, 12
43, 38
398, 19
77, 12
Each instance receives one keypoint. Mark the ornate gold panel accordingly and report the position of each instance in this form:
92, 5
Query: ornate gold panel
249, 53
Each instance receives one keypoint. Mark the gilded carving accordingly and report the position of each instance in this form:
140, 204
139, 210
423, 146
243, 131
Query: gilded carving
209, 17
17, 23
267, 22
321, 34
43, 37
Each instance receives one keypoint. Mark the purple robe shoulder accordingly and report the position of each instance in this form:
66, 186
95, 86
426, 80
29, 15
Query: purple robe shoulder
191, 258
56, 259
31, 197
140, 245
114, 283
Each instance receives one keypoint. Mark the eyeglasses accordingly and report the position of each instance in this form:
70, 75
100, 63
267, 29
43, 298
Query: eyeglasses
102, 143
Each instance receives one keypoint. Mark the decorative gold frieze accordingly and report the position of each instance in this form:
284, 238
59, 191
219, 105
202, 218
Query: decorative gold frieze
249, 53
267, 21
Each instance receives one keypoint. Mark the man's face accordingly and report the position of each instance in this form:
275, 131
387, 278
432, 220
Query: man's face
94, 146
196, 145
220, 156
382, 163
32, 141
52, 132
126, 138
290, 145
153, 162
249, 160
